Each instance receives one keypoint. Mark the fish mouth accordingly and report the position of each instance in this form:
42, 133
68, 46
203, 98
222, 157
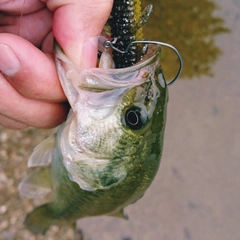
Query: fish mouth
99, 79
100, 88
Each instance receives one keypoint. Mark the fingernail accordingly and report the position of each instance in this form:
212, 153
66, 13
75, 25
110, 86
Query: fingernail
89, 53
9, 63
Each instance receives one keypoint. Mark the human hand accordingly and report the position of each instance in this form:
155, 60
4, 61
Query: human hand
30, 92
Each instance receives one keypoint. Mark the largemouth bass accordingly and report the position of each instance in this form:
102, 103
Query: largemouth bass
107, 153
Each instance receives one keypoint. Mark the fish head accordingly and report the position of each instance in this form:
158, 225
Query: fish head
117, 115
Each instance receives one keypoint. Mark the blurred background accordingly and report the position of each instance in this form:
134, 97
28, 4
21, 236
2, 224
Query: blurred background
196, 193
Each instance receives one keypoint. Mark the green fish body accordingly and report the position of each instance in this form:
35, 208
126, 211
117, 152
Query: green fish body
107, 153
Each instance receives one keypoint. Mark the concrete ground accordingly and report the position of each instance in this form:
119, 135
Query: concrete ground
196, 193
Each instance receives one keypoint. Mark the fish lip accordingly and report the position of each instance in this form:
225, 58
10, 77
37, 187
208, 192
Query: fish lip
153, 52
99, 79
98, 84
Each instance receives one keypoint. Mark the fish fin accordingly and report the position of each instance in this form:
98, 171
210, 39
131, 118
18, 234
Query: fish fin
119, 214
37, 184
39, 220
42, 153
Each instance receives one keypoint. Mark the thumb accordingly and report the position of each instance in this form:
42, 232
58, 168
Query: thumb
76, 26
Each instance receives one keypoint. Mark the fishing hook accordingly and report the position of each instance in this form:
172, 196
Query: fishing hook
108, 44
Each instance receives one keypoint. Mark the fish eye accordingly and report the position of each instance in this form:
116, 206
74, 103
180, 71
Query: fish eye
135, 118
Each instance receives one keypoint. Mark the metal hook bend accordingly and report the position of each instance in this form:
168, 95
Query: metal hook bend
108, 44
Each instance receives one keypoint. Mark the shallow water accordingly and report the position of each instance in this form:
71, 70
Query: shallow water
190, 26
196, 192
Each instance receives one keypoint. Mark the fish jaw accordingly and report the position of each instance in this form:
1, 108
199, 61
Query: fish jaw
75, 80
98, 150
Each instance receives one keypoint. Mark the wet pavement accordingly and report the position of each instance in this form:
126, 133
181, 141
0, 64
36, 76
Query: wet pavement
196, 192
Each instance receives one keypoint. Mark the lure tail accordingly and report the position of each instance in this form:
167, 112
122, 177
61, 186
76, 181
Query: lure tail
39, 220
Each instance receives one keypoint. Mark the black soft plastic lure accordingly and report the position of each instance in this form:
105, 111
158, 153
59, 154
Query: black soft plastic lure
126, 23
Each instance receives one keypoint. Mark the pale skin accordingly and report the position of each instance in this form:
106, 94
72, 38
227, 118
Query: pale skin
30, 92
